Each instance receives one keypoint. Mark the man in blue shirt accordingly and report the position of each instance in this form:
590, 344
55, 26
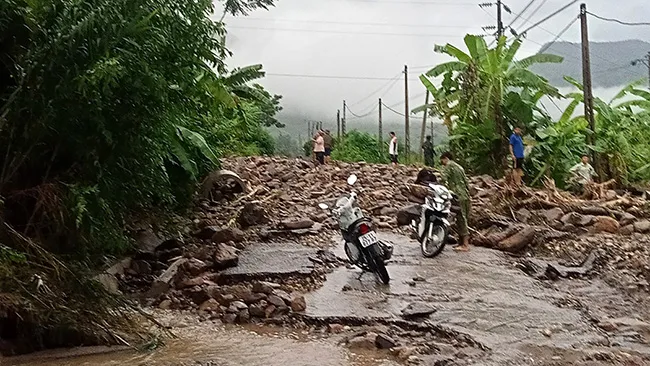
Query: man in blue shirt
517, 153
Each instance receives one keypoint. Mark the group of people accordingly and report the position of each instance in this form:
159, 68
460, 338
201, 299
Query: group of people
582, 173
322, 142
427, 149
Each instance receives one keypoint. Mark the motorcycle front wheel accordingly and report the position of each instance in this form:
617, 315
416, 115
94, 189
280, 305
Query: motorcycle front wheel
434, 240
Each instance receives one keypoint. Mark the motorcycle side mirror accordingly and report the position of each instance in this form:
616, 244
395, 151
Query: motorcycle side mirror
352, 179
323, 206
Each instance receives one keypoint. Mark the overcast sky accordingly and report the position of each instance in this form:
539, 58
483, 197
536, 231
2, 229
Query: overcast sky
375, 38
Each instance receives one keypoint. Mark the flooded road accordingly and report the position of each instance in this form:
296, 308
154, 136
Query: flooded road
511, 319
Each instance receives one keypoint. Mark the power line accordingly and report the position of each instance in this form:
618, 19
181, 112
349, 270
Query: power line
392, 110
332, 77
363, 115
532, 14
415, 2
559, 35
549, 16
354, 23
390, 85
520, 14
617, 21
344, 32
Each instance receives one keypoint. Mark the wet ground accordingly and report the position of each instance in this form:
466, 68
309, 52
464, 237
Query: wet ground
511, 318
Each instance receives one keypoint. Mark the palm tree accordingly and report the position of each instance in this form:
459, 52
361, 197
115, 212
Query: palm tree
478, 81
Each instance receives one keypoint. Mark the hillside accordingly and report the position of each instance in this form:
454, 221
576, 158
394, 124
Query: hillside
610, 63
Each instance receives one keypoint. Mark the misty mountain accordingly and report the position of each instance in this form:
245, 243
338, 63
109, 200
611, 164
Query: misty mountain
611, 63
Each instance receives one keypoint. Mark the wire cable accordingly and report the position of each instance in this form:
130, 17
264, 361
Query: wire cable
333, 77
344, 32
362, 115
355, 23
558, 36
388, 85
617, 21
532, 14
548, 17
392, 110
531, 2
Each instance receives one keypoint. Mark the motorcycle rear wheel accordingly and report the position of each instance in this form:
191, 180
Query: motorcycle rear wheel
376, 264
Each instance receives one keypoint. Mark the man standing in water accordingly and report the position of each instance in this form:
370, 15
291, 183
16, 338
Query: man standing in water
517, 154
392, 148
453, 176
427, 149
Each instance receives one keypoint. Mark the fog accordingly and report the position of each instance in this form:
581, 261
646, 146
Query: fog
318, 53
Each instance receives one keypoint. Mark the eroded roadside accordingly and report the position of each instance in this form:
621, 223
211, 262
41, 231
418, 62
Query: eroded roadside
264, 260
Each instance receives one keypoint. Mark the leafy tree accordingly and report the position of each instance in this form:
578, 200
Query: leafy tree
478, 97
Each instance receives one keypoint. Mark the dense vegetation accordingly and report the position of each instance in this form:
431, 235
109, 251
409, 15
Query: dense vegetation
108, 109
486, 92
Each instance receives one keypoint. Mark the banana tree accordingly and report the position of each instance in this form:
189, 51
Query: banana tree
481, 80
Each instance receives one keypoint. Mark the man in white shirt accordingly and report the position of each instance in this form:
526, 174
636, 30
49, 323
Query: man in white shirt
392, 148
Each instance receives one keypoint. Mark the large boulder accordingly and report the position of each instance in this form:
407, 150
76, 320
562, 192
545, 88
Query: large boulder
225, 256
252, 214
408, 213
642, 226
605, 224
228, 234
577, 219
553, 214
519, 241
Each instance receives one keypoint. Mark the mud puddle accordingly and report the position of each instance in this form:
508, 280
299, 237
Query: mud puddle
209, 344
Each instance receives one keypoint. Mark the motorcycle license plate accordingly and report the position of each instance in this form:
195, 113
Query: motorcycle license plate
368, 239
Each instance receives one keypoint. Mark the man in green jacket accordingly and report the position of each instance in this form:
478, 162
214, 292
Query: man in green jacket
453, 176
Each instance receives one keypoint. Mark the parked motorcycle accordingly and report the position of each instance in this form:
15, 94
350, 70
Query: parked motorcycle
361, 244
432, 225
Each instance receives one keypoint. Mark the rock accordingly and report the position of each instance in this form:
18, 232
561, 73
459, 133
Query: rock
611, 195
519, 241
206, 232
297, 224
283, 295
276, 300
191, 282
109, 282
547, 333
165, 281
605, 224
627, 230
254, 297
244, 316
298, 303
384, 342
642, 226
225, 256
406, 214
228, 234
141, 267
229, 318
194, 266
335, 328
224, 299
418, 310
265, 287
577, 219
403, 353
197, 294
627, 218
209, 305
268, 312
257, 310
362, 342
239, 305
387, 211
523, 215
252, 214
165, 304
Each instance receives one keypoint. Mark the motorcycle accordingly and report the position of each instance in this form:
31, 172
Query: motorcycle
362, 246
432, 225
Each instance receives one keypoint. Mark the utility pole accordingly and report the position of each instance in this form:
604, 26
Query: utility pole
380, 138
423, 131
407, 129
343, 120
338, 124
586, 80
499, 20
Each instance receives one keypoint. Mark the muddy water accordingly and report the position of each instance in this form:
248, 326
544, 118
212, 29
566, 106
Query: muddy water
208, 344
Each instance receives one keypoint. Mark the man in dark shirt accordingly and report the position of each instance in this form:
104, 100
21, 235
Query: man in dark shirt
328, 146
427, 148
517, 154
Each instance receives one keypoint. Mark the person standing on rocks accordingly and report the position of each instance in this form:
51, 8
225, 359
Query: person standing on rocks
581, 175
453, 176
319, 147
392, 148
427, 149
517, 154
327, 138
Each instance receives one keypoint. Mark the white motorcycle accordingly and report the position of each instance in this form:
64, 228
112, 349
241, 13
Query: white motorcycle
362, 246
432, 226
